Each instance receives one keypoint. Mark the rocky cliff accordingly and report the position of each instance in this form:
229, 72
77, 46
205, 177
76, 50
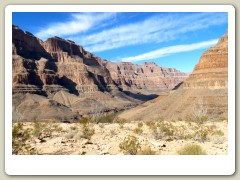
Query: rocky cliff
212, 69
204, 92
146, 77
63, 76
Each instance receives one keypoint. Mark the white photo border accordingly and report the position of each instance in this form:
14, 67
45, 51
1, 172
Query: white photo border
119, 164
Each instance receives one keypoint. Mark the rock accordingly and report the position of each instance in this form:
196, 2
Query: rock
68, 82
212, 69
148, 76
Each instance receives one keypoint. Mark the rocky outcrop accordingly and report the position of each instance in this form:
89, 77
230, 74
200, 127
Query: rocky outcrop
203, 93
148, 76
212, 69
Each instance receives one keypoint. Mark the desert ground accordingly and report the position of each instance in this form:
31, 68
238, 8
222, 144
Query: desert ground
120, 137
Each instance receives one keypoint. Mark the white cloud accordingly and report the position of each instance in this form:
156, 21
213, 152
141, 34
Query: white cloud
80, 22
98, 32
170, 50
152, 30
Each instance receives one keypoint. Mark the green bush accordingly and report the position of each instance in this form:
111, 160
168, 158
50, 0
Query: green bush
218, 132
201, 119
87, 132
191, 149
20, 137
107, 119
84, 120
150, 124
130, 145
138, 130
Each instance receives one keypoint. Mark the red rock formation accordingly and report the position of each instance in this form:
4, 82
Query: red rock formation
147, 76
212, 69
59, 69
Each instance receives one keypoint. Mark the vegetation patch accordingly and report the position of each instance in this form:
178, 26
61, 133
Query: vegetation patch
130, 145
146, 151
138, 131
20, 138
192, 149
87, 132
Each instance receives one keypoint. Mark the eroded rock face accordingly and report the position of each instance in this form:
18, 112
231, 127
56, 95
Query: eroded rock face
147, 76
212, 69
74, 80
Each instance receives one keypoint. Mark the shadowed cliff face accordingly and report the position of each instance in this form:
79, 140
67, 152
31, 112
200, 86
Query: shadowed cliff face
63, 72
204, 92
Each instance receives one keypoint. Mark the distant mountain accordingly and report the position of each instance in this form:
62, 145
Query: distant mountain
58, 79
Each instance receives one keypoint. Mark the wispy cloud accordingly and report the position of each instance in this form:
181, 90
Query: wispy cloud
80, 22
170, 50
155, 29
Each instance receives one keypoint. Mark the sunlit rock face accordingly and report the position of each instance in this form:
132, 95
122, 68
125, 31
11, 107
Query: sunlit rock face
148, 76
212, 69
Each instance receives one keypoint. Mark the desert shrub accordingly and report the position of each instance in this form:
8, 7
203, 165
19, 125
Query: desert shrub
189, 118
202, 134
45, 129
107, 119
121, 122
73, 128
191, 149
216, 139
20, 137
160, 119
146, 151
166, 128
150, 124
222, 118
140, 124
70, 135
87, 132
138, 131
130, 145
36, 130
84, 120
218, 132
201, 119
157, 133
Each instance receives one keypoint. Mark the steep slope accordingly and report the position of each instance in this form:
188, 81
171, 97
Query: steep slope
204, 92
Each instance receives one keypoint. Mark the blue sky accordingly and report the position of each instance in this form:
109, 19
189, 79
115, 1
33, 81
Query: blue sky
169, 39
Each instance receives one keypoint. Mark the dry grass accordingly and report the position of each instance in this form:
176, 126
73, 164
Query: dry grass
191, 149
147, 151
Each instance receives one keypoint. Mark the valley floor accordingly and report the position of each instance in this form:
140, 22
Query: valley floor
159, 138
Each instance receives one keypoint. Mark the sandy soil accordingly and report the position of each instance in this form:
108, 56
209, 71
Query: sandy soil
164, 138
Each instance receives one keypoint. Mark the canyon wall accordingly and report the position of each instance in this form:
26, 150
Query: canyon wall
63, 76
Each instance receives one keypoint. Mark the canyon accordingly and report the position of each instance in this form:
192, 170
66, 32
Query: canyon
161, 110
59, 80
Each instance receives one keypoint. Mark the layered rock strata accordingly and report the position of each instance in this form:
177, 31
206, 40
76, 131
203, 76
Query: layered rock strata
147, 76
71, 79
